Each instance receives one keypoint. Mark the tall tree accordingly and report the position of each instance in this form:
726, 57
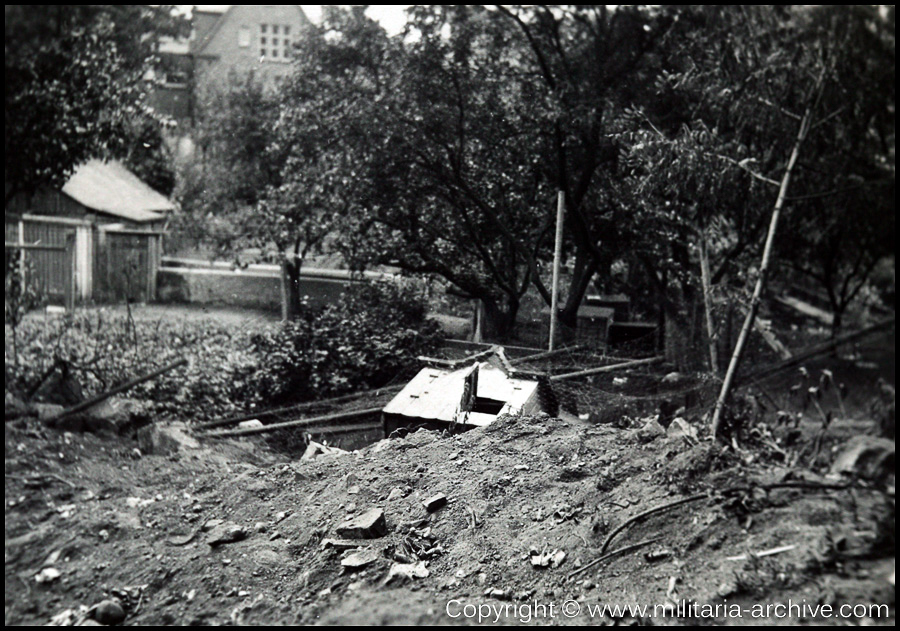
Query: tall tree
763, 96
73, 85
842, 223
450, 143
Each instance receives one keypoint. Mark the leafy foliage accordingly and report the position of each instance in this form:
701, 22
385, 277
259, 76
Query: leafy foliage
219, 191
103, 350
20, 297
441, 153
704, 159
73, 79
370, 337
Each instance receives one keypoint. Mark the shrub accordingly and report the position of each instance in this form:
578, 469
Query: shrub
103, 350
369, 337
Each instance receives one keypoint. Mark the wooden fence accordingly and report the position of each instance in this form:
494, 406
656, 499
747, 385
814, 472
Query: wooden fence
88, 261
50, 268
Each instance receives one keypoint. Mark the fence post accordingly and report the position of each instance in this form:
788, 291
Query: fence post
69, 286
21, 240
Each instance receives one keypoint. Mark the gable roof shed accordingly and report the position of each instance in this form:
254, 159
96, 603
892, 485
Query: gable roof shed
110, 188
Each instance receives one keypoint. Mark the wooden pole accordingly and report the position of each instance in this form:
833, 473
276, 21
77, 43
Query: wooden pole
549, 354
557, 255
69, 266
707, 304
764, 264
305, 422
819, 349
610, 368
300, 407
122, 388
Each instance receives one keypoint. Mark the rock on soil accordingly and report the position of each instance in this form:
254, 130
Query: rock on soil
109, 612
227, 532
435, 502
867, 457
369, 525
166, 439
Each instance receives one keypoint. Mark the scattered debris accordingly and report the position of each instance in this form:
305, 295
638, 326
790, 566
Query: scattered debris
211, 523
759, 555
651, 430
395, 494
254, 422
612, 554
547, 559
680, 428
109, 612
565, 513
341, 544
658, 554
166, 439
71, 618
866, 457
499, 594
314, 450
181, 540
407, 571
47, 575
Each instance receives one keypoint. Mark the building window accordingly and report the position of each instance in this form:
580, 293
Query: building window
244, 37
275, 47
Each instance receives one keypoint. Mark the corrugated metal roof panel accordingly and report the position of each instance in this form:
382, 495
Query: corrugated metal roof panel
435, 394
111, 188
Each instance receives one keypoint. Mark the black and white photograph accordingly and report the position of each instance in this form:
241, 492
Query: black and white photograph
449, 315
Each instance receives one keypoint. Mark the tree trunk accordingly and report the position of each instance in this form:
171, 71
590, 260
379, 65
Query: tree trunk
585, 268
290, 283
499, 322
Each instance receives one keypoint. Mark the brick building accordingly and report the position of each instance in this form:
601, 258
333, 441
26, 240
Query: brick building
225, 45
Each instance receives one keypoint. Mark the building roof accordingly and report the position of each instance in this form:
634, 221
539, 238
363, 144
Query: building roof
436, 394
108, 187
204, 39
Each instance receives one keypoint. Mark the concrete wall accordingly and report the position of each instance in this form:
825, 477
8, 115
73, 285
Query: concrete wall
255, 289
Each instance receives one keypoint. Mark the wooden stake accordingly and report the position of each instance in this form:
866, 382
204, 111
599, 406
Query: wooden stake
610, 368
549, 354
764, 264
306, 422
557, 255
122, 388
299, 407
707, 305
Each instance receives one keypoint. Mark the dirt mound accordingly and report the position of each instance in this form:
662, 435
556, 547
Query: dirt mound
530, 503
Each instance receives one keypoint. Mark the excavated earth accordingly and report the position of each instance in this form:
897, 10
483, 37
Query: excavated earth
227, 531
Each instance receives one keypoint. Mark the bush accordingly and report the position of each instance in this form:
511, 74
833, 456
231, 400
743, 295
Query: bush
369, 337
104, 349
